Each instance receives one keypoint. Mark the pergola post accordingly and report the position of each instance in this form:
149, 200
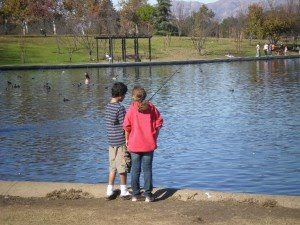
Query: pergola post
97, 51
123, 46
137, 50
112, 50
124, 49
134, 44
109, 46
150, 49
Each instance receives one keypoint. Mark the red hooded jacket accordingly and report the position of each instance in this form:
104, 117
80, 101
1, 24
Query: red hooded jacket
142, 127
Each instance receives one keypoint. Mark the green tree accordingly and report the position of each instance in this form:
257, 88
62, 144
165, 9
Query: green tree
146, 14
18, 11
106, 17
293, 12
163, 22
227, 27
255, 19
130, 21
276, 24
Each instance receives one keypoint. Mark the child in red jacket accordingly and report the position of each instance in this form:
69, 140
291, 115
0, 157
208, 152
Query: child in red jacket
141, 124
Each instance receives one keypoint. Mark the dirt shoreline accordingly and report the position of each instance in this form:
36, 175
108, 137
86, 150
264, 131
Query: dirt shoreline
70, 203
41, 189
36, 211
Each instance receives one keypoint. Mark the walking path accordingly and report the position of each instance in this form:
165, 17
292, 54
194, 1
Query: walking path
130, 64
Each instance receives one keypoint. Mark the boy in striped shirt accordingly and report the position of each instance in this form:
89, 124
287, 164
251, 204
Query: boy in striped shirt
118, 162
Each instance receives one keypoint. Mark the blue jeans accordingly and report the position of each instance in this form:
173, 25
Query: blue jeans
141, 160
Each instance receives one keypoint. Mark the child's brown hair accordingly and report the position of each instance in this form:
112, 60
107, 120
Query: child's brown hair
139, 94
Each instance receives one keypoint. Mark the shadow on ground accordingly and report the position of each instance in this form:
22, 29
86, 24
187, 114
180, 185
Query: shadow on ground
165, 193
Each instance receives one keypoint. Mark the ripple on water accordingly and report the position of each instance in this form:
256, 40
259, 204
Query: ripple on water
227, 126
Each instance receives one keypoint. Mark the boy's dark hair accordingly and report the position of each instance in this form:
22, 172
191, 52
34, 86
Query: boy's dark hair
118, 89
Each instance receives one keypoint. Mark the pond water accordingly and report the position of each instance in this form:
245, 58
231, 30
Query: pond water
227, 126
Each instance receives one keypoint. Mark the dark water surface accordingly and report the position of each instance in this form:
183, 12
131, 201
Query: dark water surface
228, 126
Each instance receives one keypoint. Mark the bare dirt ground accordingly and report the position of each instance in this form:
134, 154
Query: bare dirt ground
61, 210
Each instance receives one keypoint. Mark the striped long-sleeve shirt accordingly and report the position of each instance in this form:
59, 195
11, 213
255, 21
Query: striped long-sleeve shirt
114, 117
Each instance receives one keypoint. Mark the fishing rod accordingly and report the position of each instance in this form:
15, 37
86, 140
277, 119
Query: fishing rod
166, 81
114, 78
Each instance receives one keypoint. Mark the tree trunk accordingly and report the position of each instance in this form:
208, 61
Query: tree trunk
70, 55
57, 44
54, 28
136, 29
5, 26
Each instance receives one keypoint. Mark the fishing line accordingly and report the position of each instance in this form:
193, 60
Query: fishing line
115, 78
166, 81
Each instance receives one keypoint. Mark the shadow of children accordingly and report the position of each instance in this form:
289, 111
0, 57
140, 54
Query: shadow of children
163, 194
115, 194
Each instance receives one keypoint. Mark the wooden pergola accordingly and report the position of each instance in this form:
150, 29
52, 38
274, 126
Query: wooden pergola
123, 39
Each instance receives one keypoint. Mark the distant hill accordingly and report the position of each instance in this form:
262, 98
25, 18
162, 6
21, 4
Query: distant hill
222, 8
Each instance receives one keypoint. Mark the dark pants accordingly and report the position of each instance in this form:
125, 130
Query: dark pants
141, 160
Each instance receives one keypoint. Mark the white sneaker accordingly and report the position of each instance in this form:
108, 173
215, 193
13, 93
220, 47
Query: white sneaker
109, 193
137, 198
125, 194
109, 190
149, 198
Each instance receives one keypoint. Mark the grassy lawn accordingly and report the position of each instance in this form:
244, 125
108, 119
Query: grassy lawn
45, 50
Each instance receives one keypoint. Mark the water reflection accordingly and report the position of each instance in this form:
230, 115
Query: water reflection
228, 126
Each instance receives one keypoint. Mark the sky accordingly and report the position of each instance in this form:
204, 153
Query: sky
115, 2
207, 1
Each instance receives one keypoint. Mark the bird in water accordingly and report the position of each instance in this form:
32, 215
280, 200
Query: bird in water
87, 79
66, 100
47, 87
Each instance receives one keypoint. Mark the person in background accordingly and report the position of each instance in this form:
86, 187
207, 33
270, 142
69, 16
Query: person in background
266, 47
285, 51
269, 49
273, 47
108, 57
258, 50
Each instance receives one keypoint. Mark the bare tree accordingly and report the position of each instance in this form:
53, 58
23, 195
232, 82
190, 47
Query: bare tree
22, 47
239, 30
88, 42
179, 17
293, 13
70, 42
202, 27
